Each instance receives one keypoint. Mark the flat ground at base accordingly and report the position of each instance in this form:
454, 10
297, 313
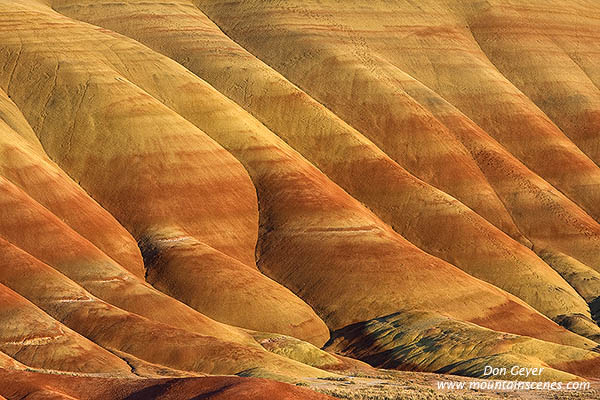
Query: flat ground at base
394, 385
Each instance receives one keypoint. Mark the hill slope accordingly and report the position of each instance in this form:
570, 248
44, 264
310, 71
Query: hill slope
249, 187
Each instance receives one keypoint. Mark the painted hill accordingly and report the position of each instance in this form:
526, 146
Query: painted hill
280, 189
43, 386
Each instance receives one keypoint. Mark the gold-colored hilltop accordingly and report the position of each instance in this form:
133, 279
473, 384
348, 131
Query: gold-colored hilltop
289, 189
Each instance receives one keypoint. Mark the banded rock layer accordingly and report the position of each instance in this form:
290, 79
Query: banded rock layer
185, 183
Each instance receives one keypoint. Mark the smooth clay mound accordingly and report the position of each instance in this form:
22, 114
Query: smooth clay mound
55, 387
281, 189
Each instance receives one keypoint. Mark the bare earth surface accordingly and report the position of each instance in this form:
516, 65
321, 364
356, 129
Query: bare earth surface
298, 198
417, 386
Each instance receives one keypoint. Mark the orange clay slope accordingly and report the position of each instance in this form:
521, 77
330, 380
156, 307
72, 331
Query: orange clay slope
161, 177
438, 49
175, 190
20, 385
356, 164
303, 213
33, 338
27, 166
344, 53
121, 331
558, 69
148, 326
434, 44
